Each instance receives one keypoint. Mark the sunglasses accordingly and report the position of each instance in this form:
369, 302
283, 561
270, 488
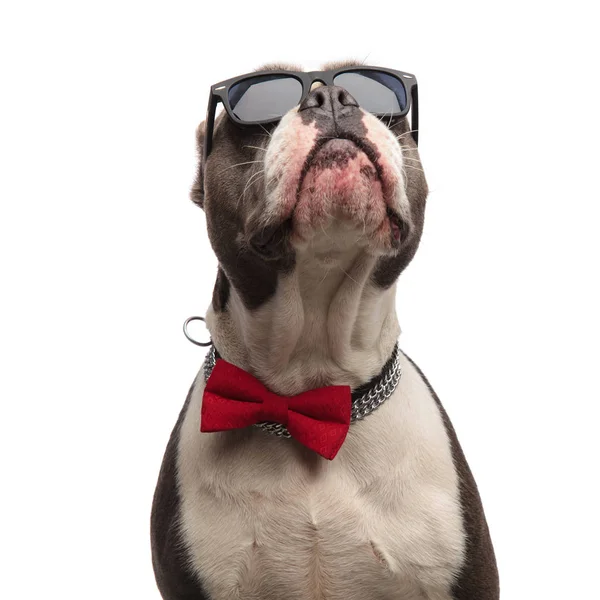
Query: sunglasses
266, 96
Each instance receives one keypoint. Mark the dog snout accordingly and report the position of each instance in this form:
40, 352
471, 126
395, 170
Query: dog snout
330, 99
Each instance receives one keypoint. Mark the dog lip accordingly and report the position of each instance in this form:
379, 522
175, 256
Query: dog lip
359, 142
399, 227
270, 242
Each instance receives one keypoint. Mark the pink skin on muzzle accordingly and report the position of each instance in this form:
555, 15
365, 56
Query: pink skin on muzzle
341, 182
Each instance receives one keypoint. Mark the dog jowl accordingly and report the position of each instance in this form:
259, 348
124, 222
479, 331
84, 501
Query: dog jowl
313, 215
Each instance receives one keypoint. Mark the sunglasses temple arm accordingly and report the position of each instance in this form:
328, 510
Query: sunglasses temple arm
210, 122
415, 115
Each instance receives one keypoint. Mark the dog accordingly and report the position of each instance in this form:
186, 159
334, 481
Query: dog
312, 218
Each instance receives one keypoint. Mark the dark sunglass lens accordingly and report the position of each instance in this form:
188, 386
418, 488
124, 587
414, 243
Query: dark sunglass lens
264, 97
375, 91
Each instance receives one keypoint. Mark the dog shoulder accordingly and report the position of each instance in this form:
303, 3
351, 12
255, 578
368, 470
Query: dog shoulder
174, 578
478, 577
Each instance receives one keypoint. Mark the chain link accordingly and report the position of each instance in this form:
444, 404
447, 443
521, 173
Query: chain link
361, 407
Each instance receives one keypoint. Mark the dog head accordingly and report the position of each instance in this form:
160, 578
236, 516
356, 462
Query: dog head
328, 179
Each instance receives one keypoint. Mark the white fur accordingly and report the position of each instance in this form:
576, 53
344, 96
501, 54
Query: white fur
265, 518
327, 324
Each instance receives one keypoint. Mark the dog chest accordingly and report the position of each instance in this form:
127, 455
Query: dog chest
263, 517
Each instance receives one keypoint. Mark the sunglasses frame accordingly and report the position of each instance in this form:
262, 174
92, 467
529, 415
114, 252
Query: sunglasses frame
220, 93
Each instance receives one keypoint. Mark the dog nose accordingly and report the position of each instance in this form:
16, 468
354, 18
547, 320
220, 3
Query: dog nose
330, 99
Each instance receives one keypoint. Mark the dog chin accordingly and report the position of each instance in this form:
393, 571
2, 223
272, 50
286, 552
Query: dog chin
341, 202
340, 208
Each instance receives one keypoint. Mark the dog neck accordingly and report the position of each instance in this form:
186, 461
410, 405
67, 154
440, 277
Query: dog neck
326, 324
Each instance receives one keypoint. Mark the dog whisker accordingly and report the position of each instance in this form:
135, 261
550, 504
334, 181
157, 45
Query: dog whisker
250, 162
405, 174
266, 131
348, 275
391, 117
253, 178
325, 233
324, 277
396, 124
405, 133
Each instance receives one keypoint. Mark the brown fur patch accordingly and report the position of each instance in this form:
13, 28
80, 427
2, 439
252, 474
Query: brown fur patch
330, 66
342, 64
279, 67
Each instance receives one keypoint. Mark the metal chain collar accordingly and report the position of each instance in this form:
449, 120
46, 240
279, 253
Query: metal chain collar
361, 407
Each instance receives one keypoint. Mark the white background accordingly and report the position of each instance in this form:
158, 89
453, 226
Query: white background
103, 256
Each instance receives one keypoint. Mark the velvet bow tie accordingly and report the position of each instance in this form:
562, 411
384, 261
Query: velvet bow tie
319, 419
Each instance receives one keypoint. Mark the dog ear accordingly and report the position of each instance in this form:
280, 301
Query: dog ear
197, 193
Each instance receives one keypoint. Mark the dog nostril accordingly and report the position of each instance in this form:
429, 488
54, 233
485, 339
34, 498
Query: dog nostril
319, 97
315, 99
345, 98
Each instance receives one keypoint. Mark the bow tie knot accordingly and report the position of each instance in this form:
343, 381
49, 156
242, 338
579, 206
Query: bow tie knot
318, 418
274, 408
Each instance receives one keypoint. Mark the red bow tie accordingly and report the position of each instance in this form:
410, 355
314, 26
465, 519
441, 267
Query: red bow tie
318, 418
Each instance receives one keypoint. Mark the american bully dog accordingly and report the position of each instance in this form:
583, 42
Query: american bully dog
312, 460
